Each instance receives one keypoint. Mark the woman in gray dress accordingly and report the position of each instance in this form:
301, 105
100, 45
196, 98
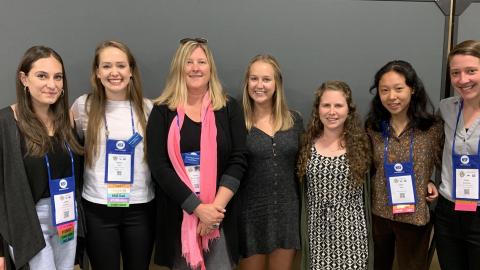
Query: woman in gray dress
270, 202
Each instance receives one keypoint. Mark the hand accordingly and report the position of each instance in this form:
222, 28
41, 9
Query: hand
204, 229
209, 213
432, 192
2, 263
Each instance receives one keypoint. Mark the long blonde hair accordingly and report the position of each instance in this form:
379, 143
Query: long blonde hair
282, 117
96, 101
356, 140
175, 91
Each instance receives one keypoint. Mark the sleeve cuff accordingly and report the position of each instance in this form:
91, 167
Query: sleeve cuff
191, 203
2, 253
230, 182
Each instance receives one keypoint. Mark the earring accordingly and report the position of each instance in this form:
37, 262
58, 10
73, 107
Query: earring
61, 94
25, 89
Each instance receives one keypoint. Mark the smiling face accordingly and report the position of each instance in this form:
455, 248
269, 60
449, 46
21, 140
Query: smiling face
114, 72
197, 71
394, 93
44, 81
261, 83
333, 110
465, 76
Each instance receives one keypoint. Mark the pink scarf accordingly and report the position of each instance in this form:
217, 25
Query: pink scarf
192, 244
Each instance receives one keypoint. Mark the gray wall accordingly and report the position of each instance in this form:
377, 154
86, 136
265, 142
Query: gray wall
469, 23
314, 40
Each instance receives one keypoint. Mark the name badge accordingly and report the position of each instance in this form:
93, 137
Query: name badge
465, 176
192, 167
64, 215
119, 166
466, 181
119, 162
63, 200
466, 190
401, 187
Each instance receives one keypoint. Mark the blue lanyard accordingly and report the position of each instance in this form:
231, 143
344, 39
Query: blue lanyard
387, 135
71, 160
131, 118
455, 131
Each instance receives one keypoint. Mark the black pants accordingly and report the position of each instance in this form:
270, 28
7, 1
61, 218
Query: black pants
458, 237
115, 230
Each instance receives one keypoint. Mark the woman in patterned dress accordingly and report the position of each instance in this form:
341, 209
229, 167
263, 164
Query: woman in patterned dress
269, 229
333, 164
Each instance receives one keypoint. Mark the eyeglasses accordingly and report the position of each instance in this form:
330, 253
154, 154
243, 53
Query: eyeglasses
198, 40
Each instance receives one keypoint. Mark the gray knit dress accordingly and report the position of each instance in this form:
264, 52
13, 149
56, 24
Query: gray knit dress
269, 193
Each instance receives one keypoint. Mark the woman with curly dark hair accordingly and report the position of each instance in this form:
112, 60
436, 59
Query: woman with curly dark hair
333, 164
407, 144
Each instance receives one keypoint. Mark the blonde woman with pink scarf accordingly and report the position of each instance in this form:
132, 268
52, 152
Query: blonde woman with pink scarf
196, 152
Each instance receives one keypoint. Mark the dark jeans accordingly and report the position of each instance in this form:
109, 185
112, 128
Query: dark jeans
458, 237
115, 230
408, 242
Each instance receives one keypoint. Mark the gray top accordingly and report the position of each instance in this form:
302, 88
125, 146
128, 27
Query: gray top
466, 142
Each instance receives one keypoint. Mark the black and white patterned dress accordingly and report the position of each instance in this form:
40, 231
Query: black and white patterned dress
337, 229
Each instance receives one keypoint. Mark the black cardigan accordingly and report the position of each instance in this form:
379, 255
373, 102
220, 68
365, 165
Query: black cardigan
172, 194
19, 224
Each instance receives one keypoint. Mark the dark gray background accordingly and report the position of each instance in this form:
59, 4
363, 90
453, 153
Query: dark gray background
314, 40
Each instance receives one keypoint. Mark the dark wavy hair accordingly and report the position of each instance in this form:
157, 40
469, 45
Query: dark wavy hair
356, 140
420, 110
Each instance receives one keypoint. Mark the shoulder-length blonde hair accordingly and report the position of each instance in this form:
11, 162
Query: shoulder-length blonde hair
32, 128
354, 136
175, 91
282, 117
96, 101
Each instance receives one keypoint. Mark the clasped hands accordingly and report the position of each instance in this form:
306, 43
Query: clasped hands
210, 216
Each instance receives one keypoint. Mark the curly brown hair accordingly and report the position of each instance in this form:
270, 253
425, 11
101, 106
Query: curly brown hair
354, 136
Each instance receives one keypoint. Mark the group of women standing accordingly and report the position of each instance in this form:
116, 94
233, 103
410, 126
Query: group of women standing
209, 183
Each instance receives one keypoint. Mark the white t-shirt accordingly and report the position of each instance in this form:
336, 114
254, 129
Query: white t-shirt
118, 118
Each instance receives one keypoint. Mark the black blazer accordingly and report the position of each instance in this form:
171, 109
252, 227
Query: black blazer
172, 194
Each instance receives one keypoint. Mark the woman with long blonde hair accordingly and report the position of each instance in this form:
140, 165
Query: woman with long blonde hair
118, 192
196, 151
270, 189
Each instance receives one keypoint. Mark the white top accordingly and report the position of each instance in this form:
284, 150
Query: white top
118, 118
466, 142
